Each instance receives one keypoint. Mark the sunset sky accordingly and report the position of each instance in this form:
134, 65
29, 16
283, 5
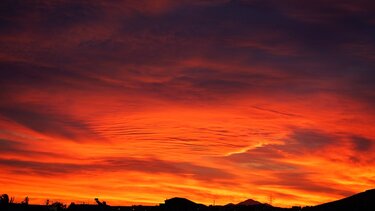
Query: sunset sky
138, 101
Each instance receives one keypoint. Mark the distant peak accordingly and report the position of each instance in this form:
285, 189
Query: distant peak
178, 200
249, 202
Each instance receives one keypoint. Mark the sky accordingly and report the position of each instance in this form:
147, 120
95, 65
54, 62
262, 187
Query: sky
217, 101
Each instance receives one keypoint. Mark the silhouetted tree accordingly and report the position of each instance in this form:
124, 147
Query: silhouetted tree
102, 205
72, 204
25, 201
72, 207
4, 199
11, 201
4, 202
57, 206
98, 202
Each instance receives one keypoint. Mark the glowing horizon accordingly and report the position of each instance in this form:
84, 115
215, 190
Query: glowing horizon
209, 100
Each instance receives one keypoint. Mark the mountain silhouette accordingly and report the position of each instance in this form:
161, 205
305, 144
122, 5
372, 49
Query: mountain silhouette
249, 202
229, 205
181, 204
364, 201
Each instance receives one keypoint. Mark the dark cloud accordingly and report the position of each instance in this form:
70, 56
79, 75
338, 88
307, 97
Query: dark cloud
123, 164
310, 140
302, 181
46, 121
102, 39
40, 168
29, 75
266, 157
273, 157
278, 159
160, 166
8, 145
25, 149
362, 144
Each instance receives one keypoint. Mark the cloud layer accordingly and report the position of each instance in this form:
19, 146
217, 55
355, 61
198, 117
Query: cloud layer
155, 99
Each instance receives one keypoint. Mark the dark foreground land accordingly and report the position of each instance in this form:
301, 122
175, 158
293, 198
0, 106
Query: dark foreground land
364, 201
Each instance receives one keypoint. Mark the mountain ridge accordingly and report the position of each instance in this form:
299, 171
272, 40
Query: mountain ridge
249, 202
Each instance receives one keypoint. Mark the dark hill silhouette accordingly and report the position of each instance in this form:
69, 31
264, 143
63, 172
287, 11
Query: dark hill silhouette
180, 201
182, 204
249, 202
364, 201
